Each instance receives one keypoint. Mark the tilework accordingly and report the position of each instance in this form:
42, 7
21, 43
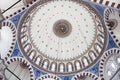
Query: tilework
93, 69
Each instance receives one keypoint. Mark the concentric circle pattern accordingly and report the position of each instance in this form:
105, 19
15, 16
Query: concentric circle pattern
62, 28
62, 36
85, 76
112, 22
110, 65
7, 38
18, 69
49, 77
48, 44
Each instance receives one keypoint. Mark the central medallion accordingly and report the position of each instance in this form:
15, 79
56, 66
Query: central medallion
62, 36
62, 28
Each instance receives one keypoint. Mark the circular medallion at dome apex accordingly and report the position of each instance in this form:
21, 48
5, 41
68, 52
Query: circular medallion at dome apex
44, 38
62, 36
62, 28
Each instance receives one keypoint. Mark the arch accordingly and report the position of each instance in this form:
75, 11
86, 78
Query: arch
85, 61
24, 39
92, 55
38, 60
53, 66
27, 47
100, 38
78, 65
61, 67
45, 64
97, 48
24, 29
70, 67
100, 28
32, 54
